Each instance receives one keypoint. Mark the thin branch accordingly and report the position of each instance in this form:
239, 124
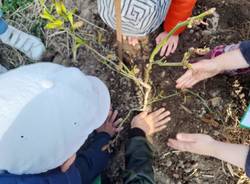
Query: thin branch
199, 97
189, 22
165, 64
90, 23
164, 98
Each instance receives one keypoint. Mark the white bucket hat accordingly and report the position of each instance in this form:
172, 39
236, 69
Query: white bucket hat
46, 114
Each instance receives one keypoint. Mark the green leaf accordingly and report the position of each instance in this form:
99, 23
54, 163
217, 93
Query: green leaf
70, 18
46, 15
79, 42
57, 24
64, 9
42, 2
58, 8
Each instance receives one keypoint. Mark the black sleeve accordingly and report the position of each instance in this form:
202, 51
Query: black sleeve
138, 159
245, 50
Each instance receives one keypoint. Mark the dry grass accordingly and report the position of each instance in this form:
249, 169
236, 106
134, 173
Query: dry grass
25, 19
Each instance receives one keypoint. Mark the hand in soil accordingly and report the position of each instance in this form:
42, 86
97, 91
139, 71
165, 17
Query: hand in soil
131, 40
151, 123
204, 69
195, 143
66, 165
171, 45
111, 124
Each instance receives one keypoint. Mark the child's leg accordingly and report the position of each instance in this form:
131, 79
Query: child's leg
91, 159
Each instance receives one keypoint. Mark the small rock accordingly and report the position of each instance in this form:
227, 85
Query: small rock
163, 74
188, 170
214, 93
206, 33
216, 101
169, 163
176, 176
164, 104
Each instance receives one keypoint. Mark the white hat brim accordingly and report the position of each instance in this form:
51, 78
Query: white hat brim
104, 102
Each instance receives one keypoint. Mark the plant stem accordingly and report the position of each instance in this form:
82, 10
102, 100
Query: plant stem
176, 28
168, 64
189, 22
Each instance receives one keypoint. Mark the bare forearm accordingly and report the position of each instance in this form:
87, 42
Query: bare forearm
235, 154
231, 61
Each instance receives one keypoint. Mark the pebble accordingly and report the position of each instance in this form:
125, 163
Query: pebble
214, 93
188, 170
216, 101
206, 33
176, 176
169, 163
163, 74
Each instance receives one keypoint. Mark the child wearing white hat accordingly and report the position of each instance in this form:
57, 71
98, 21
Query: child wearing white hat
47, 112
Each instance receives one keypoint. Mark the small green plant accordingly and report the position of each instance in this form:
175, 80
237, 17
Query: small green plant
10, 6
190, 22
61, 19
145, 84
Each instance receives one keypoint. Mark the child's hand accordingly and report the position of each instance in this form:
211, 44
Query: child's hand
110, 125
195, 143
131, 40
66, 165
171, 45
151, 123
201, 70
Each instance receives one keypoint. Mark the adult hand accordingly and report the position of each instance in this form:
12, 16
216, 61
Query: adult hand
110, 125
151, 123
199, 71
171, 45
195, 143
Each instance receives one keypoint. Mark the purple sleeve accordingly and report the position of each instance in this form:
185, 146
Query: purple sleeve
93, 160
245, 50
247, 166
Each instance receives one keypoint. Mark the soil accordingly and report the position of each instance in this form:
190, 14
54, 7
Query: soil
230, 26
189, 114
213, 106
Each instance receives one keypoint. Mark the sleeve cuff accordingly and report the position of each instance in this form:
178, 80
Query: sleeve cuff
245, 50
247, 167
104, 135
136, 132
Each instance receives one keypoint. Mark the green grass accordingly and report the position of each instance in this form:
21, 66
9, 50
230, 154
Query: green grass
10, 6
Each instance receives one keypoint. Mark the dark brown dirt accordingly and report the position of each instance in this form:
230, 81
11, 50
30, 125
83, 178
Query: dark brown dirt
188, 110
176, 167
173, 167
